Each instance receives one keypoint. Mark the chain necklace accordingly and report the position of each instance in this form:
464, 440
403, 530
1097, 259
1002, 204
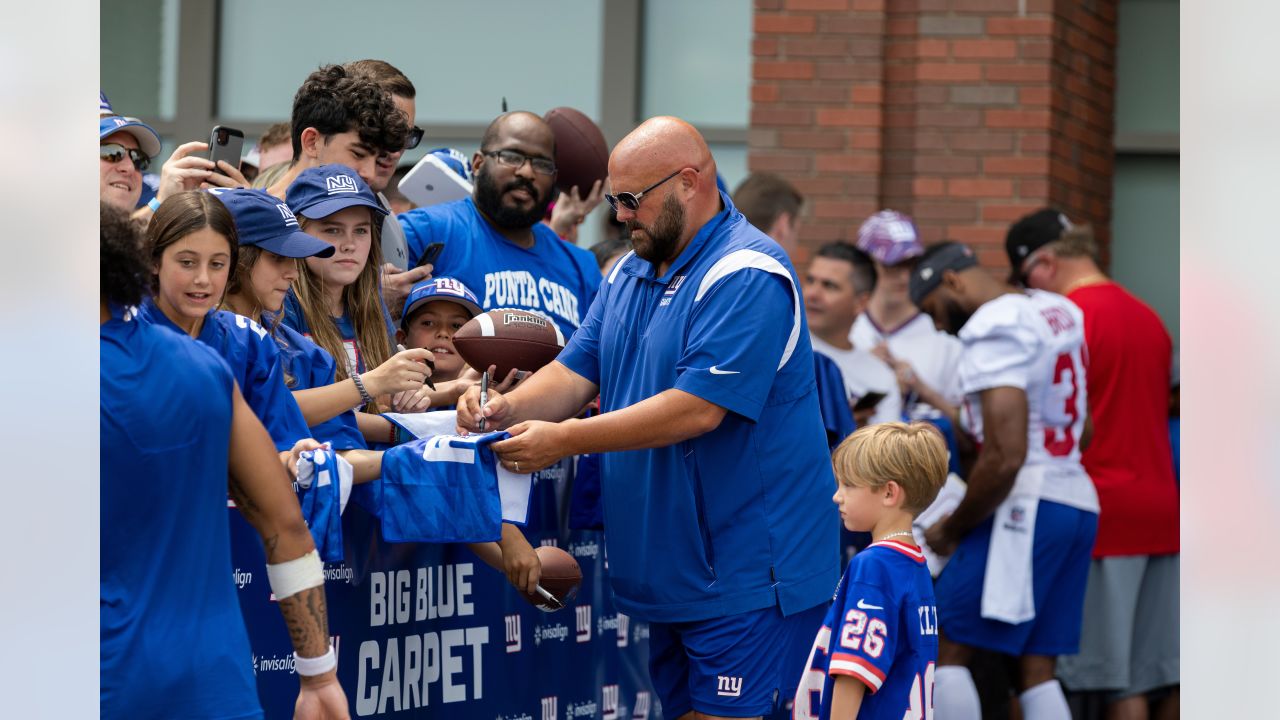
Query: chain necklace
1093, 279
905, 533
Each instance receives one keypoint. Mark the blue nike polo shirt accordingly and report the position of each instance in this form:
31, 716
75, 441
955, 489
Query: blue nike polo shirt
740, 518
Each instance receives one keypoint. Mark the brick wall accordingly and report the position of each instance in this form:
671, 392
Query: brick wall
964, 114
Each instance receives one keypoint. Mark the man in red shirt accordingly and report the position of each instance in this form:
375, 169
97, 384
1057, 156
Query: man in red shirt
1129, 646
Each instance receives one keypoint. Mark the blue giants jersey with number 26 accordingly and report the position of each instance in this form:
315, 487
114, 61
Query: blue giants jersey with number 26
882, 629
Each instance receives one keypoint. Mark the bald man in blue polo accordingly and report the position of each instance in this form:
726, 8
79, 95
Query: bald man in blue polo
715, 474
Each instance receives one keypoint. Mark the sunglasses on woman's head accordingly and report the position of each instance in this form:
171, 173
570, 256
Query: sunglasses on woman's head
114, 153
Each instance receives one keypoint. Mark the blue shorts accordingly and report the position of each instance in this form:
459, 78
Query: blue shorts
1059, 573
742, 665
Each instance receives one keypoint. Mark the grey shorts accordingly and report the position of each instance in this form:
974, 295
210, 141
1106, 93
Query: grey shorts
1129, 642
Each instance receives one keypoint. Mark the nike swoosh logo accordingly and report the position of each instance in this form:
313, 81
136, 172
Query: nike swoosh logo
863, 606
717, 371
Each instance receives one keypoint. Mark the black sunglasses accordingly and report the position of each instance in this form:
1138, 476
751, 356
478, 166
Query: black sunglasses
114, 153
415, 137
631, 201
515, 160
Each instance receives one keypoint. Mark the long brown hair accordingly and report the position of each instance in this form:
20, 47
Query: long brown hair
181, 215
241, 280
363, 302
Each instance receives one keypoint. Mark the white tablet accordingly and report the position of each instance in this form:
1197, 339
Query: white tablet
431, 182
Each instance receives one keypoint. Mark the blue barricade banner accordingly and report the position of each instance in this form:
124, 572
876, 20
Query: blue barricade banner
430, 631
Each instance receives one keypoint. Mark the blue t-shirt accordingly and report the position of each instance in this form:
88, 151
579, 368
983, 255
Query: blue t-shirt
737, 519
311, 367
882, 629
173, 640
553, 278
255, 364
294, 318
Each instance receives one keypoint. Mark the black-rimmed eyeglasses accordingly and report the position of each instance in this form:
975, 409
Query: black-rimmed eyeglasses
515, 159
631, 201
114, 153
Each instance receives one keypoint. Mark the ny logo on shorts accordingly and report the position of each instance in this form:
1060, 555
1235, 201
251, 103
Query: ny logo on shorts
728, 686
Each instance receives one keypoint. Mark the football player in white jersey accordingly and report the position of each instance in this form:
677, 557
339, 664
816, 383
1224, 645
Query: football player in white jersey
1021, 538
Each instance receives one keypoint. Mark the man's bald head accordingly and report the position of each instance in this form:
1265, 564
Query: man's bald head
660, 145
668, 165
519, 122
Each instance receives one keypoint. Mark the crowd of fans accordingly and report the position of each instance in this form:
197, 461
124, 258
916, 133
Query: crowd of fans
297, 273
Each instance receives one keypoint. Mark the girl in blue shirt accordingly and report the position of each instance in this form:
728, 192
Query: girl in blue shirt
192, 246
336, 300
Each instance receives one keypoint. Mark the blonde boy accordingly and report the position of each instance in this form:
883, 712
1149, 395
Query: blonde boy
874, 655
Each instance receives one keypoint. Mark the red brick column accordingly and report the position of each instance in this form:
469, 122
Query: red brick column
964, 114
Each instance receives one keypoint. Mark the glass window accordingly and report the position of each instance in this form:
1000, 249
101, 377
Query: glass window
1144, 233
138, 51
731, 163
697, 61
1147, 67
463, 58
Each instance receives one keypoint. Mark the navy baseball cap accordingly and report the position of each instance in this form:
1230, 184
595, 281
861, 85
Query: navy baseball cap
926, 276
319, 192
148, 139
263, 221
441, 288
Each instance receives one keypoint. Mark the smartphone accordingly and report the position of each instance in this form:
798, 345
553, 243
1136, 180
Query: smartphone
868, 401
225, 143
430, 254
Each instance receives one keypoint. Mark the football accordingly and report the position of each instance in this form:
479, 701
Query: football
582, 155
561, 577
510, 339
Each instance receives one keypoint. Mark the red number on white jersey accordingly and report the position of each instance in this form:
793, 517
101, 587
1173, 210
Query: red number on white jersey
1060, 441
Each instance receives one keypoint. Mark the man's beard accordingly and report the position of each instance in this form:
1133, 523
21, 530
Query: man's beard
954, 317
658, 242
489, 200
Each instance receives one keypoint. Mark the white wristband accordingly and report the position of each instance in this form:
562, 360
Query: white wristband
293, 576
315, 665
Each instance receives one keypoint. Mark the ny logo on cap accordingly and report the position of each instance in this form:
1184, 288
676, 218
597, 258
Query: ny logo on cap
449, 285
119, 121
287, 214
340, 184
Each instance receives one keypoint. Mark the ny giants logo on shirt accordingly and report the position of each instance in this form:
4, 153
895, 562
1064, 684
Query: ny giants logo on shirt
671, 290
340, 184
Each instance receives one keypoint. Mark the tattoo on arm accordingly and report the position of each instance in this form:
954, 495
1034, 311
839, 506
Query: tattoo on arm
244, 502
306, 615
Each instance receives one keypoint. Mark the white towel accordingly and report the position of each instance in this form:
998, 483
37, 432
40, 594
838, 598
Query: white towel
949, 497
426, 424
1007, 584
